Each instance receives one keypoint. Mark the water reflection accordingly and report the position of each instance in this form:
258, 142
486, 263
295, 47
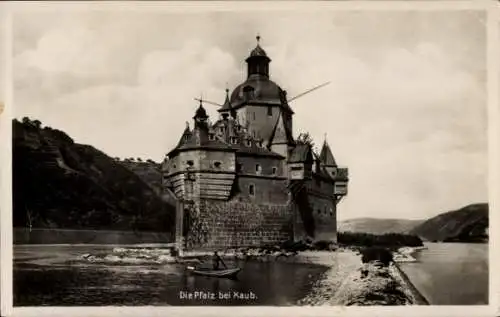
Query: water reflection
60, 281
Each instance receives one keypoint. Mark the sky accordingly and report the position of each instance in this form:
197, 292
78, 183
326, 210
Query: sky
405, 109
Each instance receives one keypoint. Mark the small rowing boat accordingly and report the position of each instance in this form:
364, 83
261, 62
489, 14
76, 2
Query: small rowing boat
223, 273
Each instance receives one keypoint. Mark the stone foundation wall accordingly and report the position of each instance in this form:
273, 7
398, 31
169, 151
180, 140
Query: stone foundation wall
219, 224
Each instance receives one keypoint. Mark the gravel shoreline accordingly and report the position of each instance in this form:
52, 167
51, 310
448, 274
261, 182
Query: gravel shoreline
349, 282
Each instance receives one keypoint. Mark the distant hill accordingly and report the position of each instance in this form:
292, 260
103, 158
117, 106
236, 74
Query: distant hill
58, 183
468, 224
150, 172
377, 225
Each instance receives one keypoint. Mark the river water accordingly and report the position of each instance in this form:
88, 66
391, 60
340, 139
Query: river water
58, 276
451, 273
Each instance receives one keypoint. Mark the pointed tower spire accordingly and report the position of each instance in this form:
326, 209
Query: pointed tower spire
227, 108
326, 156
200, 117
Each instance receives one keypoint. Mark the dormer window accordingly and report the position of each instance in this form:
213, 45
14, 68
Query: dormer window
247, 92
211, 136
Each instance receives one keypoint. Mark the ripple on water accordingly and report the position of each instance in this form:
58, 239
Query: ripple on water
75, 281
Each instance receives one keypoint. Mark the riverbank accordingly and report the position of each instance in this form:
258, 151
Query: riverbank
347, 280
363, 285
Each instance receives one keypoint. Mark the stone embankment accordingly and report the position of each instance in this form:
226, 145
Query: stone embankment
349, 282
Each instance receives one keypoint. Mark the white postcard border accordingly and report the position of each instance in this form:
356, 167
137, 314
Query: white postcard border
493, 53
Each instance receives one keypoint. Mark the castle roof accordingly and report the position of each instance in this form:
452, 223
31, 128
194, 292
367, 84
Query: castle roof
200, 112
326, 156
281, 133
245, 144
258, 52
258, 88
185, 136
320, 168
302, 153
199, 138
227, 105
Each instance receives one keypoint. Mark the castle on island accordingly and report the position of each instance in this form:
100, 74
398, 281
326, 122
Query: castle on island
244, 180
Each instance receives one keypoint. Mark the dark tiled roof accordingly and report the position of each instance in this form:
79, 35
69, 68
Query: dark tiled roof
201, 112
326, 156
301, 153
245, 144
262, 90
258, 51
185, 136
227, 105
198, 139
281, 133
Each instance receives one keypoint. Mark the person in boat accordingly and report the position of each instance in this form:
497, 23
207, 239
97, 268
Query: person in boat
216, 260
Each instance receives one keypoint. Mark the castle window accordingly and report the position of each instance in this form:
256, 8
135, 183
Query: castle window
211, 136
269, 111
275, 170
190, 163
234, 140
221, 129
258, 168
217, 164
249, 143
251, 189
174, 166
253, 114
